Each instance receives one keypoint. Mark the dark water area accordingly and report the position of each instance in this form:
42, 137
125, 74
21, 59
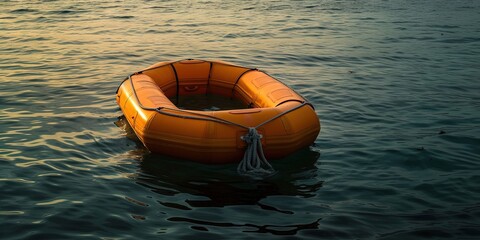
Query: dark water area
395, 83
207, 102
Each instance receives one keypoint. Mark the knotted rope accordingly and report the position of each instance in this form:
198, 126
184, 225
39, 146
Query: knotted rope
254, 163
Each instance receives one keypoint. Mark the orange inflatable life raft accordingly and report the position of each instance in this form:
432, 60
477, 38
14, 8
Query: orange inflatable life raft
282, 121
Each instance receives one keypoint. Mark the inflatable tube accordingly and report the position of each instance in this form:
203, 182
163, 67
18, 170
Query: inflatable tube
283, 120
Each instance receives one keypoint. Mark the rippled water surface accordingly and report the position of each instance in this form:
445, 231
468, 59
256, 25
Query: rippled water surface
395, 83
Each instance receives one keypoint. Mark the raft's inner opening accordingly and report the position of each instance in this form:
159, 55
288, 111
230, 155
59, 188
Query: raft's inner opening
207, 102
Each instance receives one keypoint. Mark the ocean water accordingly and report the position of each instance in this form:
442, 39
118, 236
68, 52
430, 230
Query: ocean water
396, 84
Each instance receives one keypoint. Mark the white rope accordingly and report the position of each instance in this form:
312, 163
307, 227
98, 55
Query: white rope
254, 163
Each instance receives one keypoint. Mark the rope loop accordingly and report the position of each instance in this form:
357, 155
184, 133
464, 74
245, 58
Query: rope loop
254, 163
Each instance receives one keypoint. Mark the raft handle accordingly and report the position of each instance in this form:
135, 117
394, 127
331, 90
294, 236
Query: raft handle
191, 88
245, 111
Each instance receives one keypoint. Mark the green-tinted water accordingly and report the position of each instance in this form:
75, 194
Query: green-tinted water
395, 84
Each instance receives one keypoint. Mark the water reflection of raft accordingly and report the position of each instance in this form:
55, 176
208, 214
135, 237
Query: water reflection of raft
280, 119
